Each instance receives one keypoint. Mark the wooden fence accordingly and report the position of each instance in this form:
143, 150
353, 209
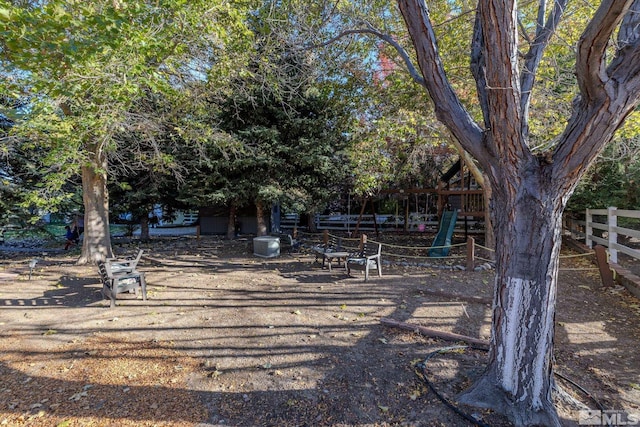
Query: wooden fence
601, 226
616, 229
416, 223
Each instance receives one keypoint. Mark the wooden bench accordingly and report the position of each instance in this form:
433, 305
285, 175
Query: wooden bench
118, 283
368, 258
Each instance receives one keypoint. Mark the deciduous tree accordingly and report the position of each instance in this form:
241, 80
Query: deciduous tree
85, 63
530, 188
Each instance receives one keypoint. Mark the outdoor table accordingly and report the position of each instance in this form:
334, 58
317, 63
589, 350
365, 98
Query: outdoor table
336, 255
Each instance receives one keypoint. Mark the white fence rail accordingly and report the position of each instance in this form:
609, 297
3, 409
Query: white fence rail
348, 223
367, 223
601, 226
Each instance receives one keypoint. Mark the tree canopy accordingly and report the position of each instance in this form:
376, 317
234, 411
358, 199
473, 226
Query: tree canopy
83, 65
290, 124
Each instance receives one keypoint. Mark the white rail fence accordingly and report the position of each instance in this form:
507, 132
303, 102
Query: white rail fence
416, 223
367, 223
600, 226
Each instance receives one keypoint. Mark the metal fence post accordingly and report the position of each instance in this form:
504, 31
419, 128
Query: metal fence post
612, 225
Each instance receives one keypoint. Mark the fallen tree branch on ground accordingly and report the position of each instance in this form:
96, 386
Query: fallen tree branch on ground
434, 333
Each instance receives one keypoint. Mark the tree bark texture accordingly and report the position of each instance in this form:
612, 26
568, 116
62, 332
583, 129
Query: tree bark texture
96, 245
527, 218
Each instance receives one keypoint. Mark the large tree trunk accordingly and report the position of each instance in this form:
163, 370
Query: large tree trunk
144, 228
311, 222
262, 225
96, 245
518, 379
233, 227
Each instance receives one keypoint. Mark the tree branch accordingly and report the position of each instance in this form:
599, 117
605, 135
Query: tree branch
630, 28
500, 48
608, 95
544, 31
590, 63
448, 107
413, 71
625, 67
478, 65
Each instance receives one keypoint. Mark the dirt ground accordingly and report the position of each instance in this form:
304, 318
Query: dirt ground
230, 339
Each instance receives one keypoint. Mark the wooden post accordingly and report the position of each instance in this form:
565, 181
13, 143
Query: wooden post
605, 271
588, 229
364, 205
406, 214
471, 246
363, 240
325, 237
612, 225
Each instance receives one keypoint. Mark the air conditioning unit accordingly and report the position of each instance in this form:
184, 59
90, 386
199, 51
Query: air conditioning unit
266, 246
